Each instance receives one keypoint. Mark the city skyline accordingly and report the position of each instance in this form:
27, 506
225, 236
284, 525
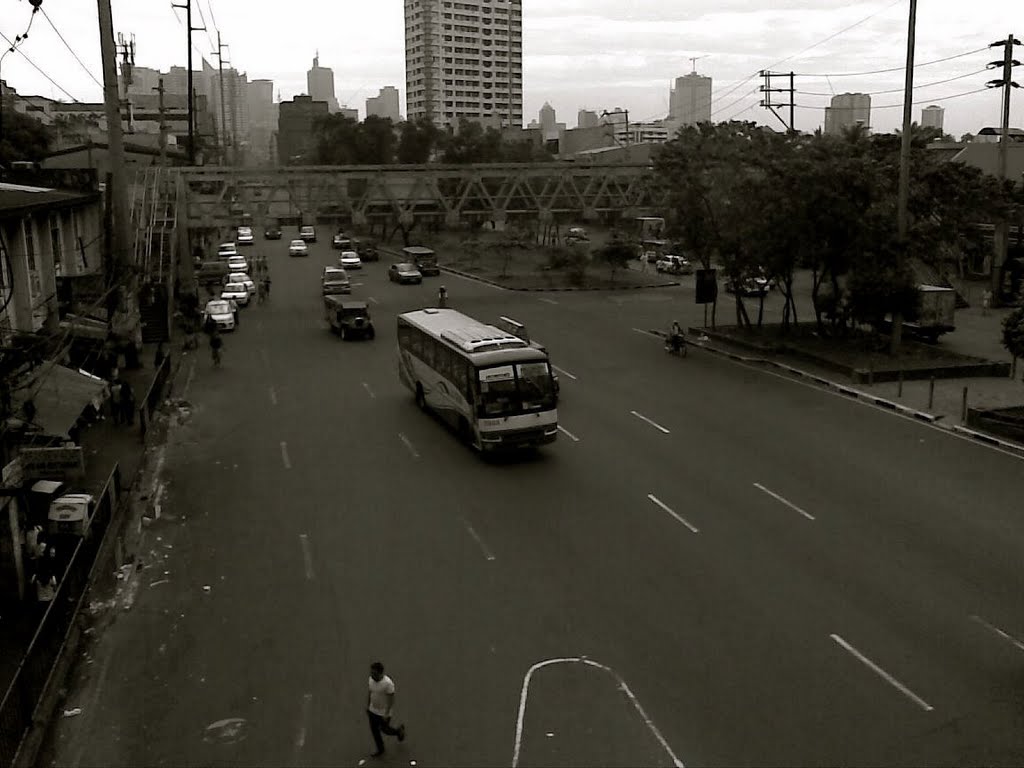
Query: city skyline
615, 56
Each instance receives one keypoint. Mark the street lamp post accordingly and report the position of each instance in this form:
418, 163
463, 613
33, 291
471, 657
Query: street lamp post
903, 195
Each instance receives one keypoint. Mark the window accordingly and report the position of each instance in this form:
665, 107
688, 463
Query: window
56, 246
30, 244
416, 338
444, 362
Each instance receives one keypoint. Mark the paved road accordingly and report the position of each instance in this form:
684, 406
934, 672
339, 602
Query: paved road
713, 565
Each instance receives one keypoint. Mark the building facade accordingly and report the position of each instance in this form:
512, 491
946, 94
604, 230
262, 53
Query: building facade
384, 104
586, 118
690, 100
932, 117
320, 84
847, 110
464, 60
259, 96
295, 138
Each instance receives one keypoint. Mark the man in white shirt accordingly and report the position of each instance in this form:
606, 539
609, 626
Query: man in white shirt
379, 702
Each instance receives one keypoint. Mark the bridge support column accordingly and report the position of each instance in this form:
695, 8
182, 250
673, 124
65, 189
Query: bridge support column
499, 221
406, 219
358, 219
590, 214
452, 220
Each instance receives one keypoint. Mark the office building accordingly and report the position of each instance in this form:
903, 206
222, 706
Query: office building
847, 110
320, 84
296, 142
259, 96
464, 60
690, 100
932, 117
384, 104
586, 118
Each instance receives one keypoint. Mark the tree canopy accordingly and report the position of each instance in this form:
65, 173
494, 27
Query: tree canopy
23, 138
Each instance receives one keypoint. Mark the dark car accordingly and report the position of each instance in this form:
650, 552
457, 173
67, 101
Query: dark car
342, 242
307, 234
404, 273
348, 319
367, 250
272, 232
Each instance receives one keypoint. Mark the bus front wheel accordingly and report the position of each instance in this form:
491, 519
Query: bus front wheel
421, 400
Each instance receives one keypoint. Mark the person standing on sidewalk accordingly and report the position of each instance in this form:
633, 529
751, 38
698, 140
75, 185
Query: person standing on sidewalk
380, 700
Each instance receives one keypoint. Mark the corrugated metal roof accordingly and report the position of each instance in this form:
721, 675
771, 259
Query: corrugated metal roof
17, 199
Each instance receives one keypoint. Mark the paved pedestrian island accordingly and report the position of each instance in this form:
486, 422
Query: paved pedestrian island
578, 712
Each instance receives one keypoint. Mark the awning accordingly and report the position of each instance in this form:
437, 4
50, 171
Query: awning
60, 394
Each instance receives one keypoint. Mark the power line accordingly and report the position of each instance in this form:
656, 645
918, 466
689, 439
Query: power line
202, 18
68, 46
892, 69
182, 25
38, 69
213, 18
914, 103
900, 90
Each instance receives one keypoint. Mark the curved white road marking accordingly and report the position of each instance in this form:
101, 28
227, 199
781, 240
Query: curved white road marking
564, 372
273, 396
781, 500
548, 301
284, 455
665, 507
654, 424
409, 445
883, 674
1005, 635
369, 391
647, 333
525, 692
569, 434
307, 556
476, 537
372, 300
300, 737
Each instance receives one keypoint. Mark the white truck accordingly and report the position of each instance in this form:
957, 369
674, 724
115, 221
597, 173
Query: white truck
934, 316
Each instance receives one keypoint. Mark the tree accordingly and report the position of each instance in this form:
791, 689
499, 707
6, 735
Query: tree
337, 140
881, 284
375, 141
472, 143
1013, 336
617, 255
24, 138
417, 140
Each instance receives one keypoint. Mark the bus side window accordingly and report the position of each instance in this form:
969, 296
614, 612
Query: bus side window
404, 334
416, 339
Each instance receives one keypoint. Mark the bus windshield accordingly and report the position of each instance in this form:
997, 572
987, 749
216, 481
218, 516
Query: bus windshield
506, 390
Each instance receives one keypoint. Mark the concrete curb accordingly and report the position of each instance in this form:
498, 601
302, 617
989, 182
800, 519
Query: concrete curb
987, 439
470, 276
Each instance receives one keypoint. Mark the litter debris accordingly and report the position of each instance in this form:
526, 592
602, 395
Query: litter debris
73, 712
158, 582
206, 588
549, 734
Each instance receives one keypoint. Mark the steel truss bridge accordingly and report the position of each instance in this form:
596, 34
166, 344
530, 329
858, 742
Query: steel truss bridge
449, 195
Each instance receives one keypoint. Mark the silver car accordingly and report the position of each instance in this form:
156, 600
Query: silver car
298, 248
236, 292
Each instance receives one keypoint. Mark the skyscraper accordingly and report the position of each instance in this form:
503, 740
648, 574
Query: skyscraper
467, 62
259, 95
932, 117
847, 110
384, 104
690, 100
320, 84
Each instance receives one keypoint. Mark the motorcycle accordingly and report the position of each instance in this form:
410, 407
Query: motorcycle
676, 345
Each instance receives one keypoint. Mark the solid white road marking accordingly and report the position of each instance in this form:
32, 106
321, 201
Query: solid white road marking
1005, 635
665, 507
478, 540
478, 282
273, 396
372, 300
781, 500
525, 692
654, 424
369, 391
564, 372
548, 301
284, 455
307, 556
646, 333
569, 434
409, 445
883, 674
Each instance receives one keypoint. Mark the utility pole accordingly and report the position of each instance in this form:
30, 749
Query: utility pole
187, 5
1001, 235
163, 124
771, 106
903, 194
120, 255
219, 53
127, 50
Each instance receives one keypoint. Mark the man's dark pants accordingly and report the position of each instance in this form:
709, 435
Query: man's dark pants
379, 725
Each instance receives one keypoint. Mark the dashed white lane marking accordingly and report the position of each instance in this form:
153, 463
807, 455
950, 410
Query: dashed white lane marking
476, 537
883, 674
307, 557
369, 391
646, 333
781, 500
409, 445
372, 300
188, 381
568, 434
273, 396
564, 372
678, 517
284, 455
525, 692
300, 736
654, 424
548, 301
1005, 635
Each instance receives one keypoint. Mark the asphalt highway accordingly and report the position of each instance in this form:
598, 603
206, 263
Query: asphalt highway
712, 566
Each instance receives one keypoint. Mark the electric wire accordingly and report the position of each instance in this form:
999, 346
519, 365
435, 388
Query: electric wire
900, 90
913, 103
68, 46
38, 69
892, 69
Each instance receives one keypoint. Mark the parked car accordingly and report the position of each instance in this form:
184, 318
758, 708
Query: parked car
350, 260
298, 248
212, 272
307, 234
577, 234
367, 250
223, 312
273, 232
226, 249
334, 281
750, 285
674, 265
236, 292
244, 236
348, 319
244, 279
404, 273
238, 264
341, 241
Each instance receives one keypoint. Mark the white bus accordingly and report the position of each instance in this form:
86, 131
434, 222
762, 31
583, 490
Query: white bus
494, 387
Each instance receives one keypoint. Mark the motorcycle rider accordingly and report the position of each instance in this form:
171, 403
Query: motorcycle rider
675, 337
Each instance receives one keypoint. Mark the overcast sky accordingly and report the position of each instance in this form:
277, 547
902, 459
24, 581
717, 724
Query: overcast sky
594, 54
